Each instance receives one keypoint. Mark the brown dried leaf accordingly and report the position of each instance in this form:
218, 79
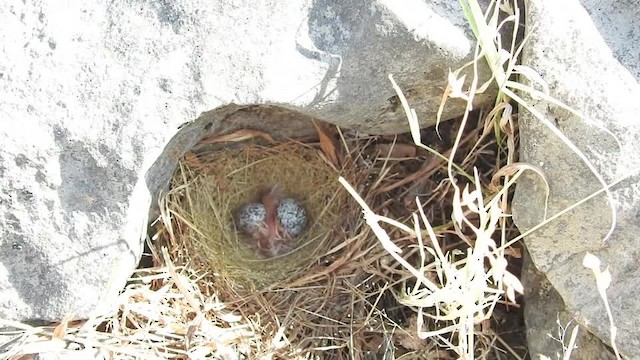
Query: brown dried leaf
373, 343
445, 96
23, 357
327, 146
408, 338
192, 159
513, 252
397, 150
240, 135
60, 330
217, 175
409, 202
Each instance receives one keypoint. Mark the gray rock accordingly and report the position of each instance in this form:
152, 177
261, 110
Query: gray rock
549, 325
94, 95
362, 42
588, 55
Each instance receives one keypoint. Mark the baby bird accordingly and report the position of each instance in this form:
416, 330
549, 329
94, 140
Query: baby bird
272, 237
273, 222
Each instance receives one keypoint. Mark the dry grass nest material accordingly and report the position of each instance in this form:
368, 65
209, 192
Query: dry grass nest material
295, 303
208, 189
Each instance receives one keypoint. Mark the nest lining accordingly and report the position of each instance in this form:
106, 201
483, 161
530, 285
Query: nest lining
209, 188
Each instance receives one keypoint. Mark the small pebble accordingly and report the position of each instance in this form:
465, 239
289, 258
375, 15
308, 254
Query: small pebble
292, 216
250, 217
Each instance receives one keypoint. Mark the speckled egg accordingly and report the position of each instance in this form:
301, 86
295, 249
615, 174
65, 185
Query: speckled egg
292, 216
250, 217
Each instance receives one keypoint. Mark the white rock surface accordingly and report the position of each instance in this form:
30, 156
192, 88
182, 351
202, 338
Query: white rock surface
588, 53
93, 91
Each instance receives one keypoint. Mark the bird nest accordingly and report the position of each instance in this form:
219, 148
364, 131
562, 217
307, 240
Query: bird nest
309, 296
209, 188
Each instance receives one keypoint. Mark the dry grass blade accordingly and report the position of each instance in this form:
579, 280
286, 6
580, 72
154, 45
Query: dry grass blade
603, 190
515, 170
467, 292
150, 323
603, 281
415, 129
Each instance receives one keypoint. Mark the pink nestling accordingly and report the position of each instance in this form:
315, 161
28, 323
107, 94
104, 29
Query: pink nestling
273, 221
